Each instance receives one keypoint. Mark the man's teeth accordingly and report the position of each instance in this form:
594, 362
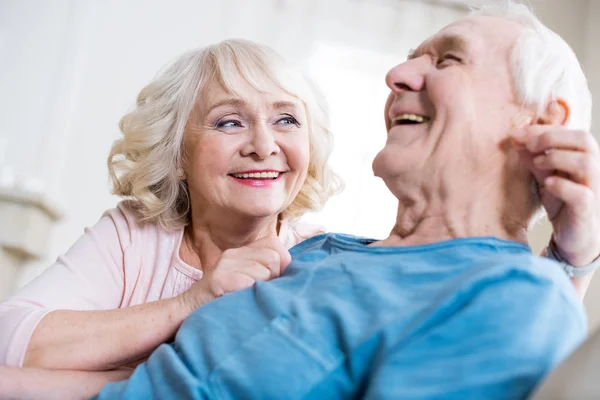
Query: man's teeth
409, 117
258, 175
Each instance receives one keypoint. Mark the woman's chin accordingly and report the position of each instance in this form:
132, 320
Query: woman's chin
260, 211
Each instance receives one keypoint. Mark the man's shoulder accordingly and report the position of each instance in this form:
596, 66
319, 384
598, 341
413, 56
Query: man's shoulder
523, 281
536, 270
329, 240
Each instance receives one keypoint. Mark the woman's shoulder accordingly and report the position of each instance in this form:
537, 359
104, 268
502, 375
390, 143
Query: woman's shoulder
129, 226
292, 232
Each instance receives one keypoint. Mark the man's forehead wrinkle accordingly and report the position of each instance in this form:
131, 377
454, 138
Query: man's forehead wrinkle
441, 43
452, 42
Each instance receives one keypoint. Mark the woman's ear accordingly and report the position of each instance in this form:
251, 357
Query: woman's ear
556, 113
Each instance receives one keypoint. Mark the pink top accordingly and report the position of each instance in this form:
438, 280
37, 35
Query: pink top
115, 264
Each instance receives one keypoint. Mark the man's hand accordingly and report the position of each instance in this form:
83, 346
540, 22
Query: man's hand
566, 164
238, 269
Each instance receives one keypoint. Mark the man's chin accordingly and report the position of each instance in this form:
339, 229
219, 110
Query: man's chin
407, 135
394, 160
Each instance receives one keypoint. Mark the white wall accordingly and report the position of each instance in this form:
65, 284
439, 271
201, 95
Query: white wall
70, 69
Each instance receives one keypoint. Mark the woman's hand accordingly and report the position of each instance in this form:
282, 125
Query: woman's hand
239, 269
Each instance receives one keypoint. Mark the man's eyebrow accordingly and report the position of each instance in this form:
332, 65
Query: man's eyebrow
452, 42
441, 45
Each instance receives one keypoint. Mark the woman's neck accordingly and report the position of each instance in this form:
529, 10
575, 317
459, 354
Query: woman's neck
208, 238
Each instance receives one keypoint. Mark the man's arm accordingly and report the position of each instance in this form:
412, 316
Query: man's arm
496, 342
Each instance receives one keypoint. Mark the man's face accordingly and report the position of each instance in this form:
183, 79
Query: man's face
452, 104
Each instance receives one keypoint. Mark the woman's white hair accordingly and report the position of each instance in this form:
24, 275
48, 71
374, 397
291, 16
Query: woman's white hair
143, 163
544, 67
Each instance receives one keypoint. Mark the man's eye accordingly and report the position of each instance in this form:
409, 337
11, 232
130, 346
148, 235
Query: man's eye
448, 59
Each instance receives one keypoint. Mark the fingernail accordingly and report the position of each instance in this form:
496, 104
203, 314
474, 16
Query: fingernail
517, 145
518, 134
532, 144
539, 160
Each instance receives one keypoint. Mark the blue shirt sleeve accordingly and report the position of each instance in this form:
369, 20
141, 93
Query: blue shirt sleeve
494, 341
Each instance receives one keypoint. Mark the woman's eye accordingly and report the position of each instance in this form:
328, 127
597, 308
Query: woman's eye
288, 120
229, 123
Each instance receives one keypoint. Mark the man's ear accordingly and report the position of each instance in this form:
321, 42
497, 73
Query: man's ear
556, 113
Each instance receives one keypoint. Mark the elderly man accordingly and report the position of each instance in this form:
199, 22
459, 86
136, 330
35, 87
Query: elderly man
452, 304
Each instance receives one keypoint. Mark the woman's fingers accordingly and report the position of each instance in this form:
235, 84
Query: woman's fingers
252, 257
241, 267
273, 243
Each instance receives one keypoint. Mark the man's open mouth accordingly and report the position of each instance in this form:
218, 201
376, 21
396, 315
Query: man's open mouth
409, 119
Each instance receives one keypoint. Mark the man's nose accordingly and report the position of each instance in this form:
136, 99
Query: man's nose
408, 76
261, 143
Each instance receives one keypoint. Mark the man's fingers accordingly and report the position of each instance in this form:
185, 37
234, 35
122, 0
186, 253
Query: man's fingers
581, 167
577, 197
542, 138
526, 159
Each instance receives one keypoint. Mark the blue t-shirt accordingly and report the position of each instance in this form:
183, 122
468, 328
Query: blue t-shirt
475, 318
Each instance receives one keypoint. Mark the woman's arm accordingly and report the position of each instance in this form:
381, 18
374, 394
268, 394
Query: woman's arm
102, 340
89, 278
33, 383
70, 317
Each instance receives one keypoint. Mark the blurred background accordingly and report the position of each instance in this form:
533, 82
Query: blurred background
69, 69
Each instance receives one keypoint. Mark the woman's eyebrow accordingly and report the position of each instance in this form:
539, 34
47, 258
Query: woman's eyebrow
228, 102
284, 105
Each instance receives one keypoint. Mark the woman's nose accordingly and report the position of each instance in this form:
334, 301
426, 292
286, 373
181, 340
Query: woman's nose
261, 142
408, 76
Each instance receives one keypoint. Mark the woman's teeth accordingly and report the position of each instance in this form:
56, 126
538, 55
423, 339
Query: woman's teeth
257, 175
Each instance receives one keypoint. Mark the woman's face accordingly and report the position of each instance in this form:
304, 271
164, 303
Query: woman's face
246, 154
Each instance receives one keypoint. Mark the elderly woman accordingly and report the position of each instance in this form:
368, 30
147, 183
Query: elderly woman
224, 151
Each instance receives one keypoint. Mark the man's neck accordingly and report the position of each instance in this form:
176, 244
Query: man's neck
432, 216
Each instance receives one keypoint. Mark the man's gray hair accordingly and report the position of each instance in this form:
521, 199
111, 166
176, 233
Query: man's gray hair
544, 67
